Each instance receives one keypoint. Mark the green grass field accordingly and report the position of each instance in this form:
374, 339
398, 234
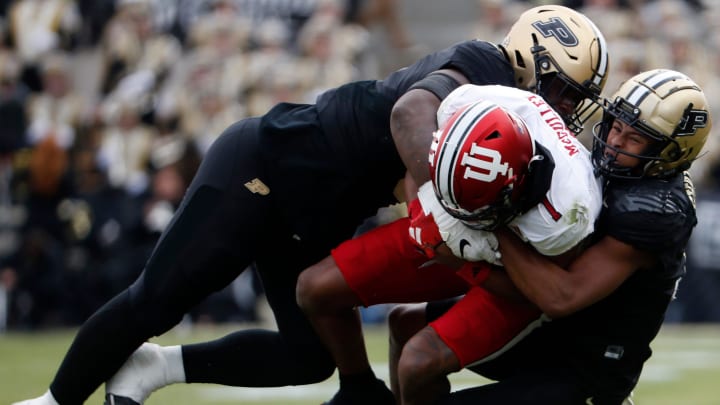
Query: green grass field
685, 370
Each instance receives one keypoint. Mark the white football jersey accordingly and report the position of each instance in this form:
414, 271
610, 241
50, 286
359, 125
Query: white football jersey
574, 199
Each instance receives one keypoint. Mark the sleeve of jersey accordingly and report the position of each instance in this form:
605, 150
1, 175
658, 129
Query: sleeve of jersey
551, 235
482, 63
565, 217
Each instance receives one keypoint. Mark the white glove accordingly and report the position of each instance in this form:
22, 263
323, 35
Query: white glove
466, 243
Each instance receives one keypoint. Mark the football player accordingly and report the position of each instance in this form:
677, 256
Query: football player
508, 161
609, 304
281, 190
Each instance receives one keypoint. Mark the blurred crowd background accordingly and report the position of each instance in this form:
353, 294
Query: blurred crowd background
108, 106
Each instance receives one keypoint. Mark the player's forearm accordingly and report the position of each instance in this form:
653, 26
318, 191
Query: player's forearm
543, 282
412, 122
501, 285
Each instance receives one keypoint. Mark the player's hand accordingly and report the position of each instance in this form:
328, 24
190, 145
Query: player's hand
471, 244
466, 243
423, 231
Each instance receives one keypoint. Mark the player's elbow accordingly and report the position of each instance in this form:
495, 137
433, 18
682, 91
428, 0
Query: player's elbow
556, 311
559, 305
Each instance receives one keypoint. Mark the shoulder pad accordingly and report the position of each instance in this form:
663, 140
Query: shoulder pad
650, 213
665, 197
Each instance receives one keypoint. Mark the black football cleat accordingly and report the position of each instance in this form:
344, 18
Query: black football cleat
376, 394
111, 399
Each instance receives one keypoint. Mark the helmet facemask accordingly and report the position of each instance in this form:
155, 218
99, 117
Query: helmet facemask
492, 216
559, 90
606, 163
665, 106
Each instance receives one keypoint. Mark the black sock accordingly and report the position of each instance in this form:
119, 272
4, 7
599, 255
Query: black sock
357, 381
362, 388
275, 362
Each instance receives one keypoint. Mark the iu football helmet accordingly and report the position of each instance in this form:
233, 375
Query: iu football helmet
664, 105
478, 164
561, 55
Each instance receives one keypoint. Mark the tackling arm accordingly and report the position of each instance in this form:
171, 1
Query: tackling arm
412, 122
594, 275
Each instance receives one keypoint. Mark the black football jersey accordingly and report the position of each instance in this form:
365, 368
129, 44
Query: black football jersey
654, 215
610, 340
356, 117
340, 151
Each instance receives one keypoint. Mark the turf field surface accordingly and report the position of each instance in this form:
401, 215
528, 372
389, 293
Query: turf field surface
685, 369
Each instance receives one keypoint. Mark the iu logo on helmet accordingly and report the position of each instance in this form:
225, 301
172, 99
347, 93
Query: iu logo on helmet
483, 164
558, 29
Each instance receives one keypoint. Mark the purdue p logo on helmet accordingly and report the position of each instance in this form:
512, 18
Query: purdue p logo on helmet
666, 106
555, 43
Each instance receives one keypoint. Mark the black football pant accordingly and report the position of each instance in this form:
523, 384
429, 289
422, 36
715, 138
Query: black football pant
219, 230
533, 372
